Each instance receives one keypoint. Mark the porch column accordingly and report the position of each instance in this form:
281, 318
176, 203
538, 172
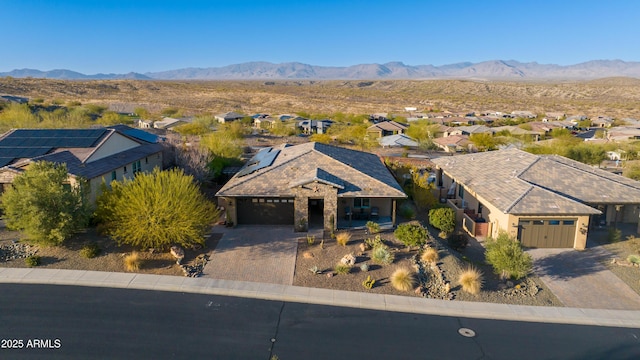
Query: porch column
393, 212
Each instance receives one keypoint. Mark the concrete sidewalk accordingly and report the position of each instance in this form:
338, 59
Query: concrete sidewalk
276, 292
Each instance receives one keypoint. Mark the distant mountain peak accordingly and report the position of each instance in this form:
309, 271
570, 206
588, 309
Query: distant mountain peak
260, 70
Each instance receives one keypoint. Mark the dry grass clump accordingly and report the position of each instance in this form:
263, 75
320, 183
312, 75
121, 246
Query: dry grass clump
403, 279
342, 269
343, 238
430, 255
132, 262
471, 280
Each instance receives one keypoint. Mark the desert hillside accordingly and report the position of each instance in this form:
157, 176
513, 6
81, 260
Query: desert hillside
616, 97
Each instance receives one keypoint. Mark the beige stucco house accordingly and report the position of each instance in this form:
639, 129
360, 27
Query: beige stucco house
95, 155
310, 183
543, 201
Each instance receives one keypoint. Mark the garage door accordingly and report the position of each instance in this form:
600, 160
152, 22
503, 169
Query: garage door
547, 233
265, 211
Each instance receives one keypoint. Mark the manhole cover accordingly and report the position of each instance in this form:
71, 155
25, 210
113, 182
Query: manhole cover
466, 332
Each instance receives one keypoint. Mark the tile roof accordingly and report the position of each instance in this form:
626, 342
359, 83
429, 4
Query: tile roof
388, 126
517, 182
354, 173
397, 140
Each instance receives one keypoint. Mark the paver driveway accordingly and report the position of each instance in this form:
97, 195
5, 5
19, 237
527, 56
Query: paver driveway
579, 279
257, 253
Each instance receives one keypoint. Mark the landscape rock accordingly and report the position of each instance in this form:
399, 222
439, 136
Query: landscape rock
177, 253
348, 259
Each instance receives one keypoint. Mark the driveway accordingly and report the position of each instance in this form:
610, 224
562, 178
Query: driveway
259, 253
579, 279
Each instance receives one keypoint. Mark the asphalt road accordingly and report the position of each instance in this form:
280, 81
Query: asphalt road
65, 322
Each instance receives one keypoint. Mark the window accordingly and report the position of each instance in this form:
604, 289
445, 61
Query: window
554, 222
460, 191
136, 167
125, 169
361, 202
538, 222
146, 160
113, 175
568, 222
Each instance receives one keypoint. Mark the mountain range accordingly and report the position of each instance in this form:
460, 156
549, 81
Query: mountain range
489, 70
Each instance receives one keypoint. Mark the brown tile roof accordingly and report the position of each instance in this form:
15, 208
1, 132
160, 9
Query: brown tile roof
521, 183
354, 173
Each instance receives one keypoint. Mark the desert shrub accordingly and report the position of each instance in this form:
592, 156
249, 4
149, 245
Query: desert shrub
382, 255
407, 211
315, 270
132, 262
311, 239
457, 241
32, 261
364, 267
368, 283
430, 255
411, 234
471, 280
343, 238
373, 227
507, 257
374, 242
443, 219
402, 279
614, 235
634, 259
342, 269
90, 251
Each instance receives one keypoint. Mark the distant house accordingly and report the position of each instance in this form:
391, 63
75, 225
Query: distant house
96, 155
622, 133
14, 99
551, 116
168, 123
453, 143
468, 130
386, 128
398, 140
602, 121
314, 126
143, 124
228, 117
523, 114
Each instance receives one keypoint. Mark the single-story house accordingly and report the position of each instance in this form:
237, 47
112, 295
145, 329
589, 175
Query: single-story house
95, 155
399, 140
310, 183
386, 128
229, 116
315, 126
168, 123
542, 200
453, 143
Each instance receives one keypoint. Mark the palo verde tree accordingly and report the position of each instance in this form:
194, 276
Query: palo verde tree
43, 205
156, 210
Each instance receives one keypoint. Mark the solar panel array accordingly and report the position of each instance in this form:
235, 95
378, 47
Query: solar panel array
29, 143
261, 160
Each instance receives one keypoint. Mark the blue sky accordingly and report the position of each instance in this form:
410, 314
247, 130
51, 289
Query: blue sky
122, 36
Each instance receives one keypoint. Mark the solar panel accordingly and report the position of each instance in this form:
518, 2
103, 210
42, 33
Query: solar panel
261, 160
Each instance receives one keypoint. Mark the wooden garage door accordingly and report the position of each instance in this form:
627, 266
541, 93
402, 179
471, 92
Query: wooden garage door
547, 233
265, 211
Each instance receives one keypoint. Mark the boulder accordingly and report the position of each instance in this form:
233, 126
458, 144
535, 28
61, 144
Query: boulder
177, 253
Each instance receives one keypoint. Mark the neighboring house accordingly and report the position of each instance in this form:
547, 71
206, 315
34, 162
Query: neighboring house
602, 121
143, 124
468, 130
168, 123
386, 128
314, 126
554, 116
95, 155
13, 99
623, 133
399, 140
311, 183
228, 117
518, 131
454, 143
523, 114
543, 201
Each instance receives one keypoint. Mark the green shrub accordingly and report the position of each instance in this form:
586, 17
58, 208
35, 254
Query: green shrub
402, 279
372, 243
368, 282
634, 259
382, 255
32, 261
342, 269
373, 227
507, 257
315, 270
443, 219
411, 234
614, 235
311, 239
343, 238
90, 251
471, 280
364, 267
407, 211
